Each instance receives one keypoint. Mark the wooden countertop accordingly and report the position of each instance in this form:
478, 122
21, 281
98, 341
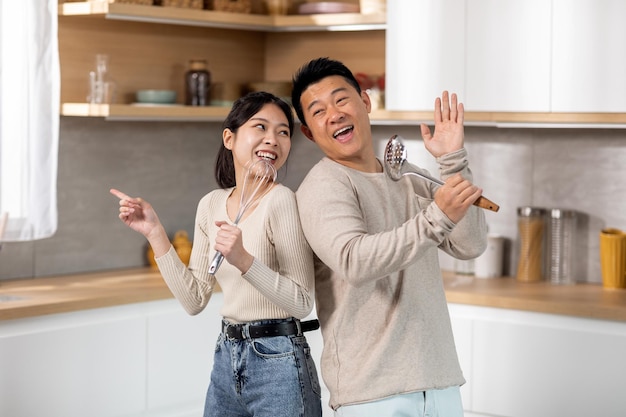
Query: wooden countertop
579, 300
40, 296
64, 293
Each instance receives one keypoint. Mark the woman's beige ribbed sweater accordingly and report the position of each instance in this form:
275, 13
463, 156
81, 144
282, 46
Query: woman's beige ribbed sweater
280, 282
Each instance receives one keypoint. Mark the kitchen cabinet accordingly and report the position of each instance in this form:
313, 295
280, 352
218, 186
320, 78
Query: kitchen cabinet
513, 63
422, 59
507, 60
589, 56
149, 48
145, 359
495, 55
117, 339
520, 364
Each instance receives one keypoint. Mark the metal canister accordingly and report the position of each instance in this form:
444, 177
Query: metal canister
531, 229
561, 246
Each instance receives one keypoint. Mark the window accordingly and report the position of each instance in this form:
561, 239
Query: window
29, 118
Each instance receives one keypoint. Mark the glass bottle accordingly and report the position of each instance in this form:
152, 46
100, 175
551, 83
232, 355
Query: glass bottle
101, 85
197, 83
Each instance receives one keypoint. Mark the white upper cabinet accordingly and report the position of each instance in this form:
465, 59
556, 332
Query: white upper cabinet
425, 52
589, 56
508, 55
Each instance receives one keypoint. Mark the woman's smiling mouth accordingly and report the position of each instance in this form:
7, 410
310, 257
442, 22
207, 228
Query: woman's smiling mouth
266, 155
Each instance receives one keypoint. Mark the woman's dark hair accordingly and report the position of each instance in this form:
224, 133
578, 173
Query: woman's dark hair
313, 72
243, 109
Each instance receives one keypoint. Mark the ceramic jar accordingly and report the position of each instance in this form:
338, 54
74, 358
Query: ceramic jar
182, 246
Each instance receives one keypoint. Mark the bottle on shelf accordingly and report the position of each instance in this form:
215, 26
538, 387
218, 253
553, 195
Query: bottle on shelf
197, 83
101, 85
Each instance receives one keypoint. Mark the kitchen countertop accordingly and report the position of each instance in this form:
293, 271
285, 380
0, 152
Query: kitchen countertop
579, 300
65, 293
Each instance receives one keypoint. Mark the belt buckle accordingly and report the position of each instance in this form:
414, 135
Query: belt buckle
230, 331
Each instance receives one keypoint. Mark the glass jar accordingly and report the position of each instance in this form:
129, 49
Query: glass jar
531, 226
197, 83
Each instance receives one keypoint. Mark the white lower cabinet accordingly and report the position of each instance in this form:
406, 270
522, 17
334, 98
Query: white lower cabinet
51, 366
149, 359
139, 360
522, 364
153, 360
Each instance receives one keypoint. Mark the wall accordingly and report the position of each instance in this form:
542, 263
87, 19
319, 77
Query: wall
577, 169
171, 165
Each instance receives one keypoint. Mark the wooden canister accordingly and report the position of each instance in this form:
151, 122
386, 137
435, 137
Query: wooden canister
531, 224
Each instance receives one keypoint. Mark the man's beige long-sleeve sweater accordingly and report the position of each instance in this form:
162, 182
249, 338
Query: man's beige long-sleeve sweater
379, 292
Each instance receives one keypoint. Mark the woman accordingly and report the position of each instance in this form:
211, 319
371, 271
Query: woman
262, 364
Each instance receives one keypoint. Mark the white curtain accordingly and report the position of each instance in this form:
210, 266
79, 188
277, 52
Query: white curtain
29, 118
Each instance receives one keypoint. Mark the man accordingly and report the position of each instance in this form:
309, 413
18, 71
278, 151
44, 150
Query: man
388, 344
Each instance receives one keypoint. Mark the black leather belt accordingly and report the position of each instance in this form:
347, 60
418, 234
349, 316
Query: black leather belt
287, 328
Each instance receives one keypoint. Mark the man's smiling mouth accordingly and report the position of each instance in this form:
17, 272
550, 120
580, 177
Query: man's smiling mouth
342, 131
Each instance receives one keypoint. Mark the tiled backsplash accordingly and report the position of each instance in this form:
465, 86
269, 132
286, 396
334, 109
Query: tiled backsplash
171, 165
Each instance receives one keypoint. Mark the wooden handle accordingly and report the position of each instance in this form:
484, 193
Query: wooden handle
487, 204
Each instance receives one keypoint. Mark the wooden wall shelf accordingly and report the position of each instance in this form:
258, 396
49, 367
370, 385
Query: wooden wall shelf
134, 112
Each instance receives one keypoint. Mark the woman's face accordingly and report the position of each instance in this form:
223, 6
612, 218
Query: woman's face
265, 135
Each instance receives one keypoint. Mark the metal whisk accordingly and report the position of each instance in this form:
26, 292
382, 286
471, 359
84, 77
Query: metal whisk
259, 175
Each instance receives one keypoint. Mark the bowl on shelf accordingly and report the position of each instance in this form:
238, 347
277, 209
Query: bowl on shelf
156, 96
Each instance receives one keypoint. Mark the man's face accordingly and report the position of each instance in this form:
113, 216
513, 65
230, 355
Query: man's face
338, 121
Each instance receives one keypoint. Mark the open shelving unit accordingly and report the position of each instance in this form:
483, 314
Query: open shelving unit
88, 27
167, 34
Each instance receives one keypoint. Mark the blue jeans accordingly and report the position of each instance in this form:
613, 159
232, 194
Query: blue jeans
263, 377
